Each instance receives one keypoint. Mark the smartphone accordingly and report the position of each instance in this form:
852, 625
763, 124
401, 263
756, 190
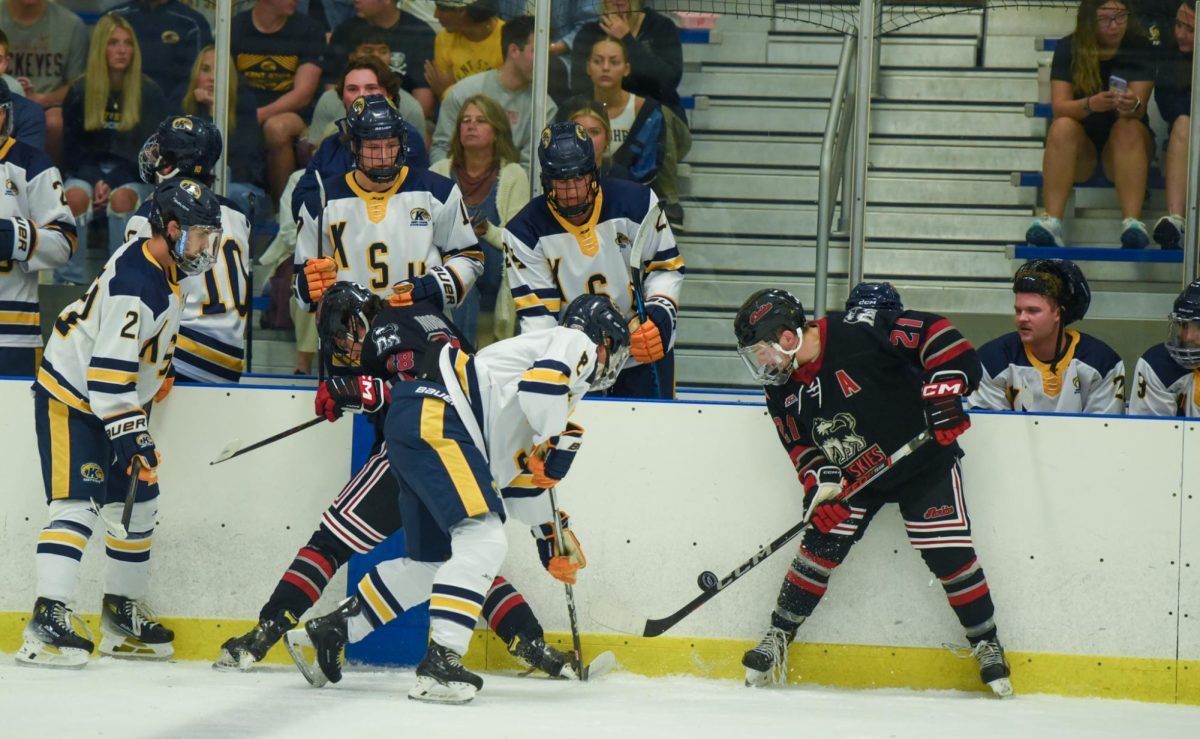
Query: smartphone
1117, 85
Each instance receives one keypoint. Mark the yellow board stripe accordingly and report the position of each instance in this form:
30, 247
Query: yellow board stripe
60, 445
70, 538
377, 602
464, 607
212, 355
128, 545
452, 458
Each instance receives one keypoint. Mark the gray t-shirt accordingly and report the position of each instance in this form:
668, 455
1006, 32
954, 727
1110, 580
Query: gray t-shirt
518, 104
52, 52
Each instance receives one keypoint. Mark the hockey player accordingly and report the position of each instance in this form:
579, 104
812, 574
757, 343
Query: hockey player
385, 223
575, 239
108, 355
1043, 365
1164, 383
366, 511
843, 395
216, 304
878, 295
456, 433
37, 232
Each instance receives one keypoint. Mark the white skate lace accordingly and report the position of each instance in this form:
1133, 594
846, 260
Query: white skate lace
66, 620
774, 646
987, 652
138, 621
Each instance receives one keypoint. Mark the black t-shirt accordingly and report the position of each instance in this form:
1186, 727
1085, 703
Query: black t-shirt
107, 153
410, 39
267, 63
1173, 87
1133, 61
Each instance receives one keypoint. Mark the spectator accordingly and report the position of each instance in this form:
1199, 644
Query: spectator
652, 48
483, 162
108, 114
170, 35
566, 18
1164, 383
647, 138
593, 118
468, 44
509, 85
276, 51
1173, 92
49, 47
1043, 365
1095, 119
28, 118
409, 41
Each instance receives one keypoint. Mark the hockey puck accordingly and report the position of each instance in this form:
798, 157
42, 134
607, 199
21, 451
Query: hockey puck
707, 580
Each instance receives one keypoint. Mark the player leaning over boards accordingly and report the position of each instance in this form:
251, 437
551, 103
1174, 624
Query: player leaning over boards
843, 394
458, 431
576, 239
106, 359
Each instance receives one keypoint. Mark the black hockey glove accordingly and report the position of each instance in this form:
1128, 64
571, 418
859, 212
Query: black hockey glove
130, 437
436, 286
17, 239
944, 410
550, 462
358, 393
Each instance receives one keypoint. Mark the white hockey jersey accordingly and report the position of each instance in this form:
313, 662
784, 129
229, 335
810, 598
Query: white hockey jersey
1090, 378
514, 395
34, 199
111, 349
380, 238
216, 303
1163, 388
551, 262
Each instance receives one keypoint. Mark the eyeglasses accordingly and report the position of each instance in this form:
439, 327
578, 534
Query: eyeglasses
1112, 20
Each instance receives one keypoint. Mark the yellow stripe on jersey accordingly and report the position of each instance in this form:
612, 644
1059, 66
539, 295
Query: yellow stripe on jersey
7, 146
432, 427
62, 536
206, 352
541, 374
60, 445
128, 545
116, 377
460, 370
24, 318
376, 203
527, 301
60, 393
377, 602
676, 263
457, 605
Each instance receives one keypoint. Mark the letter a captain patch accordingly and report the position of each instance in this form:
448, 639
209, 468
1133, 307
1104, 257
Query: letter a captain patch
849, 387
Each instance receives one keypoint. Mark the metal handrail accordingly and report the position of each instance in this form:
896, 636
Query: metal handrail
832, 170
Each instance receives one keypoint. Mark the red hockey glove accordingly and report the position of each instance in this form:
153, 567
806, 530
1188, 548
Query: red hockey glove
320, 274
944, 410
648, 342
359, 393
562, 567
821, 507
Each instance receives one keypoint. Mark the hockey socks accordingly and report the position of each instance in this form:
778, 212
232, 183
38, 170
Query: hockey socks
307, 576
508, 614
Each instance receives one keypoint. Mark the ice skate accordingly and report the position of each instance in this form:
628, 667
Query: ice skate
130, 631
993, 668
51, 639
242, 652
317, 648
539, 656
766, 664
441, 678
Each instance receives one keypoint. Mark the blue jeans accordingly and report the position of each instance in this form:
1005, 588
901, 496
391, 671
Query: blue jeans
482, 295
251, 199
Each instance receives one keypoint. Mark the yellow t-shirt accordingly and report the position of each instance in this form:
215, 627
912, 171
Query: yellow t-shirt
462, 57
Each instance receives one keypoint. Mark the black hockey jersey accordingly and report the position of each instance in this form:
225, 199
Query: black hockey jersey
860, 399
404, 342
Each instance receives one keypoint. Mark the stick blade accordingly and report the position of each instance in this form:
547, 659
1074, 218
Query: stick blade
227, 451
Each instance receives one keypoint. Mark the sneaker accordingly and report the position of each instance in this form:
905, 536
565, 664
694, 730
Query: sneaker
325, 637
241, 652
1168, 232
767, 663
993, 668
538, 655
441, 678
131, 631
1133, 234
51, 639
674, 214
1045, 231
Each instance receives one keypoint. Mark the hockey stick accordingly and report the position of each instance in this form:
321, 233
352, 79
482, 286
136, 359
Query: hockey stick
708, 581
121, 528
235, 449
648, 226
580, 668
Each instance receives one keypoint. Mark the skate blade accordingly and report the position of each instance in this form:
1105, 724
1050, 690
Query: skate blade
129, 648
604, 663
39, 654
428, 690
228, 663
301, 649
1002, 687
759, 679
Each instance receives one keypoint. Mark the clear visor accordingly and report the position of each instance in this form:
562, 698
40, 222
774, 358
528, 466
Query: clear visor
768, 362
606, 373
1183, 342
196, 249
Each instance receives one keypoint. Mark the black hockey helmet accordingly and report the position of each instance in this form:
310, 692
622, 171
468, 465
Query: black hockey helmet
598, 318
343, 319
878, 295
1183, 338
198, 212
7, 106
1058, 279
371, 118
565, 152
757, 325
182, 146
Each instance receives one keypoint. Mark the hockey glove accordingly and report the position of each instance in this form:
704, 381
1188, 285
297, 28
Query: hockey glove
357, 394
944, 410
551, 461
17, 239
821, 507
562, 567
131, 438
320, 274
165, 388
648, 342
427, 287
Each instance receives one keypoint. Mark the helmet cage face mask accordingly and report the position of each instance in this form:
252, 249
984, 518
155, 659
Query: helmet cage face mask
384, 173
195, 251
346, 344
1183, 341
768, 362
614, 362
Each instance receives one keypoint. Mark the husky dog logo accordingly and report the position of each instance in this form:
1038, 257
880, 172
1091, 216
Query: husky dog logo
837, 439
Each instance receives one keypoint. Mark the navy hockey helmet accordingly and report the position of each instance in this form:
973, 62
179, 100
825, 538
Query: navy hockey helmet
878, 295
602, 322
1183, 338
1058, 279
6, 105
182, 146
565, 152
374, 118
343, 319
757, 325
198, 212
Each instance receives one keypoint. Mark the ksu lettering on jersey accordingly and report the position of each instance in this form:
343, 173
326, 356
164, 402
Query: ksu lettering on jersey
1164, 381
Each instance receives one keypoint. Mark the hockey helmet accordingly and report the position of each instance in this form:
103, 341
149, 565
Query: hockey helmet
757, 325
565, 152
6, 105
601, 321
1183, 337
878, 295
182, 146
198, 212
375, 118
1058, 279
343, 320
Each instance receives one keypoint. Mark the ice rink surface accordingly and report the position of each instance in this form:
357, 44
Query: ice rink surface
188, 699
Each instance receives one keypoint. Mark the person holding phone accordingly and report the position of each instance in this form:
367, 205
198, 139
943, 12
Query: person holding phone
1101, 79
